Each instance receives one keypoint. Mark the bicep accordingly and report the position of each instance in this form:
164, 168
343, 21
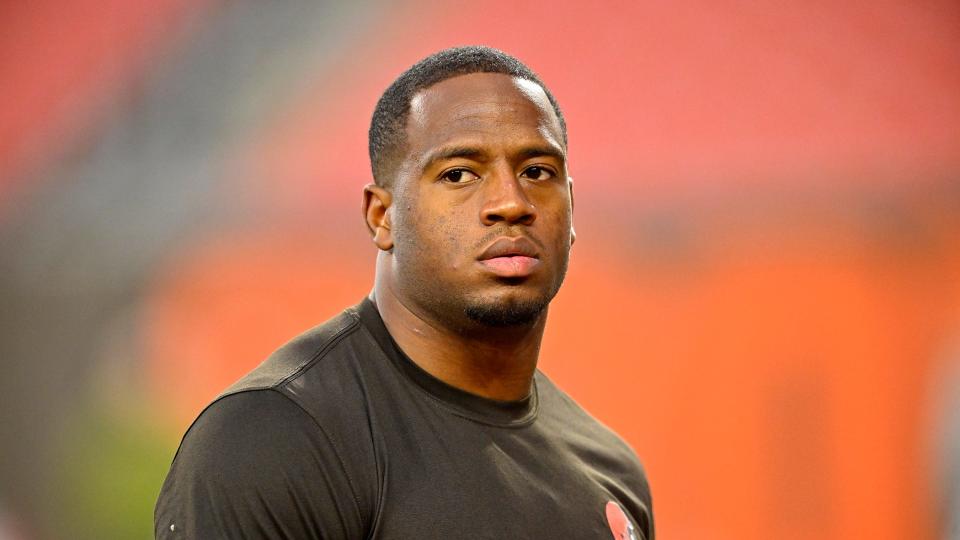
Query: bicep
255, 465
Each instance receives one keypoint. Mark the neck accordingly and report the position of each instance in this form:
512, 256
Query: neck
496, 363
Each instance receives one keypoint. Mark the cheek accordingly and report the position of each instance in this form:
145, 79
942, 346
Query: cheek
448, 236
435, 239
559, 219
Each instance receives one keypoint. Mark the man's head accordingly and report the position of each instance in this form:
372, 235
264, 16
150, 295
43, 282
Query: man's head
472, 208
387, 137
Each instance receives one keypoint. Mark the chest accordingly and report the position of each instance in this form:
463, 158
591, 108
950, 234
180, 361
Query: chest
445, 477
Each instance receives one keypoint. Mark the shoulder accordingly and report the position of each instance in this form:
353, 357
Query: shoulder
314, 384
250, 458
286, 438
558, 405
588, 435
601, 447
331, 373
245, 428
327, 371
300, 353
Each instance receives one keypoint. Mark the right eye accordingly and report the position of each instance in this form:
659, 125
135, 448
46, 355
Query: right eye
459, 176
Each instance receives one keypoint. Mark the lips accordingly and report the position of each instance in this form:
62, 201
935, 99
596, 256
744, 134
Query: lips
510, 257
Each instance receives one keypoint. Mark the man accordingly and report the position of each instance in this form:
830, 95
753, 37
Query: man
420, 413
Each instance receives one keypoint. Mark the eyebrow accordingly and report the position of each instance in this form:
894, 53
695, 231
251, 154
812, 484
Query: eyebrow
476, 154
542, 150
452, 152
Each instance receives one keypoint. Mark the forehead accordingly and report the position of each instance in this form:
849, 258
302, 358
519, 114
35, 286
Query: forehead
482, 108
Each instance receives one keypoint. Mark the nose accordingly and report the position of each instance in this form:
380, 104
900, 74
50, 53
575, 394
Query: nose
505, 201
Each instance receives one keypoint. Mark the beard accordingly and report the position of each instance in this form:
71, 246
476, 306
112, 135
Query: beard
457, 307
502, 315
432, 285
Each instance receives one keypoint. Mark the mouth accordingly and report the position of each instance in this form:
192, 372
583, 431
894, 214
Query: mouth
510, 257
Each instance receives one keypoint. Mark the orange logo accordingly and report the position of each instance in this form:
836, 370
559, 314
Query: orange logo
620, 526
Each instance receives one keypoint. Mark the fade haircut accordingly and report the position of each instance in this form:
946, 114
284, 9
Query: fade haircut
387, 138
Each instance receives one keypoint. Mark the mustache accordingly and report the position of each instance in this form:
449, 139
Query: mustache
509, 232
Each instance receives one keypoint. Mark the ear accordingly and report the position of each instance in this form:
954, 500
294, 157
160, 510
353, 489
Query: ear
376, 202
573, 233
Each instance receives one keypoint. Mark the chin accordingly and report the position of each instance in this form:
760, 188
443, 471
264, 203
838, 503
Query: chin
506, 313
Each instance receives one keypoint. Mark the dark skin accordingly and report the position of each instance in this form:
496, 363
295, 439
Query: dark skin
477, 219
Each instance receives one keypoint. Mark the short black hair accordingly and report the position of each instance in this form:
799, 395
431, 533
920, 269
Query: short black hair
387, 138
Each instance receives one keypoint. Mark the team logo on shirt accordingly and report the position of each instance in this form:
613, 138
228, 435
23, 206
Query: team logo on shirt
620, 526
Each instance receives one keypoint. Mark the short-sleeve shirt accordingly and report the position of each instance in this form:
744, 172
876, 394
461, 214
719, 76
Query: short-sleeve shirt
339, 435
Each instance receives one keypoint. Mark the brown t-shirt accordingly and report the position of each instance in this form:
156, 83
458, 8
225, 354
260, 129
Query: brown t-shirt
338, 435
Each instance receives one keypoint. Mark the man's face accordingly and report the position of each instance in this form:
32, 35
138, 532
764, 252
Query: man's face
482, 205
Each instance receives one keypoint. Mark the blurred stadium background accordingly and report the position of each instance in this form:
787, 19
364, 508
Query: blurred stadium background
764, 298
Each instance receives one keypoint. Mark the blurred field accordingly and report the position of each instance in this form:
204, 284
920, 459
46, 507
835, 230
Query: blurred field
764, 297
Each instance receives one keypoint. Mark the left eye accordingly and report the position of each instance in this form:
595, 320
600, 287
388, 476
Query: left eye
538, 173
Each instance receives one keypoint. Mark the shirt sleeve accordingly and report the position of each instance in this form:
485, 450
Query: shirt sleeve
256, 465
